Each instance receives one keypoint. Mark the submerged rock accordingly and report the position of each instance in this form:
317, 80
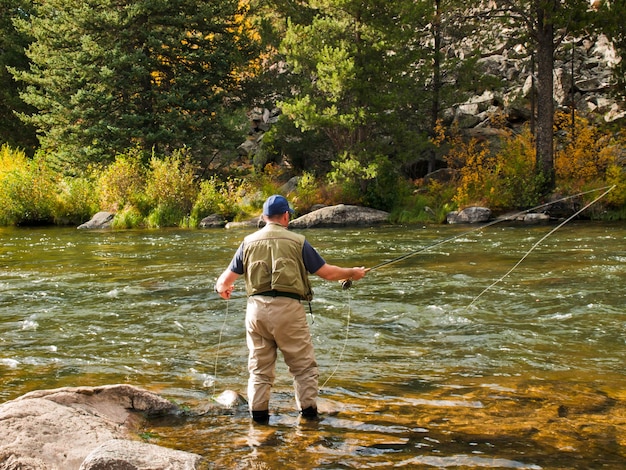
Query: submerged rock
230, 399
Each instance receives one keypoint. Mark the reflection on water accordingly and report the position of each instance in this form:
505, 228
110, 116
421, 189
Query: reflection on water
418, 372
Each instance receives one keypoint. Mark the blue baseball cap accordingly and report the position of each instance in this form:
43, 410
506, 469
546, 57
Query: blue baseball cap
276, 205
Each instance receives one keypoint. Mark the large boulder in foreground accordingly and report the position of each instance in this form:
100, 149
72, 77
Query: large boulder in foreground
340, 216
59, 429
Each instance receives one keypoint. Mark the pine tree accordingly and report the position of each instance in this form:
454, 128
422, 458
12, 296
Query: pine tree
370, 73
451, 78
12, 45
354, 71
547, 23
109, 75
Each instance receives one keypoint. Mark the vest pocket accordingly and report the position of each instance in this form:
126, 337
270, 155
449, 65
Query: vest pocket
286, 276
259, 276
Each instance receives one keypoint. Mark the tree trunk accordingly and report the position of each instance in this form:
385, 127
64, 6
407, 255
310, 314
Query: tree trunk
545, 95
434, 112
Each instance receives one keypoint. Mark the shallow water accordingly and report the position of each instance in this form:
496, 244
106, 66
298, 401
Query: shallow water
426, 363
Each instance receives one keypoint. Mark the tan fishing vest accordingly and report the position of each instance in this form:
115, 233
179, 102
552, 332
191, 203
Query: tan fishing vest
272, 258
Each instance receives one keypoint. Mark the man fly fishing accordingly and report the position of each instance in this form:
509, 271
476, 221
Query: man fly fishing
276, 264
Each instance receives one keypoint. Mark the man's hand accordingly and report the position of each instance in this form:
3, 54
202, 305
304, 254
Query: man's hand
359, 273
226, 293
226, 284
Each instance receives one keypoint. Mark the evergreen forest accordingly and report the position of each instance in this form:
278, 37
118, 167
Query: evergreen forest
168, 111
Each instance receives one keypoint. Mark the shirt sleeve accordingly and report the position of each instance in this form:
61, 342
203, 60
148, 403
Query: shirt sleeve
236, 264
312, 259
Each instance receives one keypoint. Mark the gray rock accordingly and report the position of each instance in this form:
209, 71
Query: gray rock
9, 461
248, 147
57, 429
213, 221
100, 220
340, 215
252, 223
230, 399
122, 454
290, 186
469, 215
535, 218
593, 57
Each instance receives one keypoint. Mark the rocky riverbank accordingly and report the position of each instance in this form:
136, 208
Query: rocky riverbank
543, 422
340, 215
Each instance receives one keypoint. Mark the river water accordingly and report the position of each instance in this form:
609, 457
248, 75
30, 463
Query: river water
457, 357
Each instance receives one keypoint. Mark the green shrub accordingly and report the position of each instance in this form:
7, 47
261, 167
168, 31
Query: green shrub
583, 152
502, 180
166, 216
122, 182
308, 193
12, 163
128, 217
349, 175
616, 175
430, 205
366, 179
387, 188
77, 201
27, 189
171, 190
233, 199
514, 183
260, 185
212, 199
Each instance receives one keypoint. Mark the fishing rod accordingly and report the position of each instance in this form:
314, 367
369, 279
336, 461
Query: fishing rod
347, 283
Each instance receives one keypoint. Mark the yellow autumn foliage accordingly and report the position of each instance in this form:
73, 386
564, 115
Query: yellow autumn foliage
474, 165
583, 152
585, 157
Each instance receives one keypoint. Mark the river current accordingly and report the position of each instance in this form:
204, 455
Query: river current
460, 356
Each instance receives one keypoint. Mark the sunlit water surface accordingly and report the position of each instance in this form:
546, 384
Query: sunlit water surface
423, 363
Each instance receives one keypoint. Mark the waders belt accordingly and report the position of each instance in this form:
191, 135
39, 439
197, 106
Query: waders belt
277, 293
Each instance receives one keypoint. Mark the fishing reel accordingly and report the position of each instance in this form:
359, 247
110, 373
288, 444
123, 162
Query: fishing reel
346, 284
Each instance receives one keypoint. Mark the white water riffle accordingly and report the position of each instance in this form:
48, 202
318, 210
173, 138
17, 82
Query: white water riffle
137, 306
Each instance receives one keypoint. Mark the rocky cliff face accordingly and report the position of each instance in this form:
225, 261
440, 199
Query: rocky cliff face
582, 81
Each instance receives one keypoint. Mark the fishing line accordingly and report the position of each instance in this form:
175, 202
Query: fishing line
345, 342
348, 283
538, 243
219, 344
